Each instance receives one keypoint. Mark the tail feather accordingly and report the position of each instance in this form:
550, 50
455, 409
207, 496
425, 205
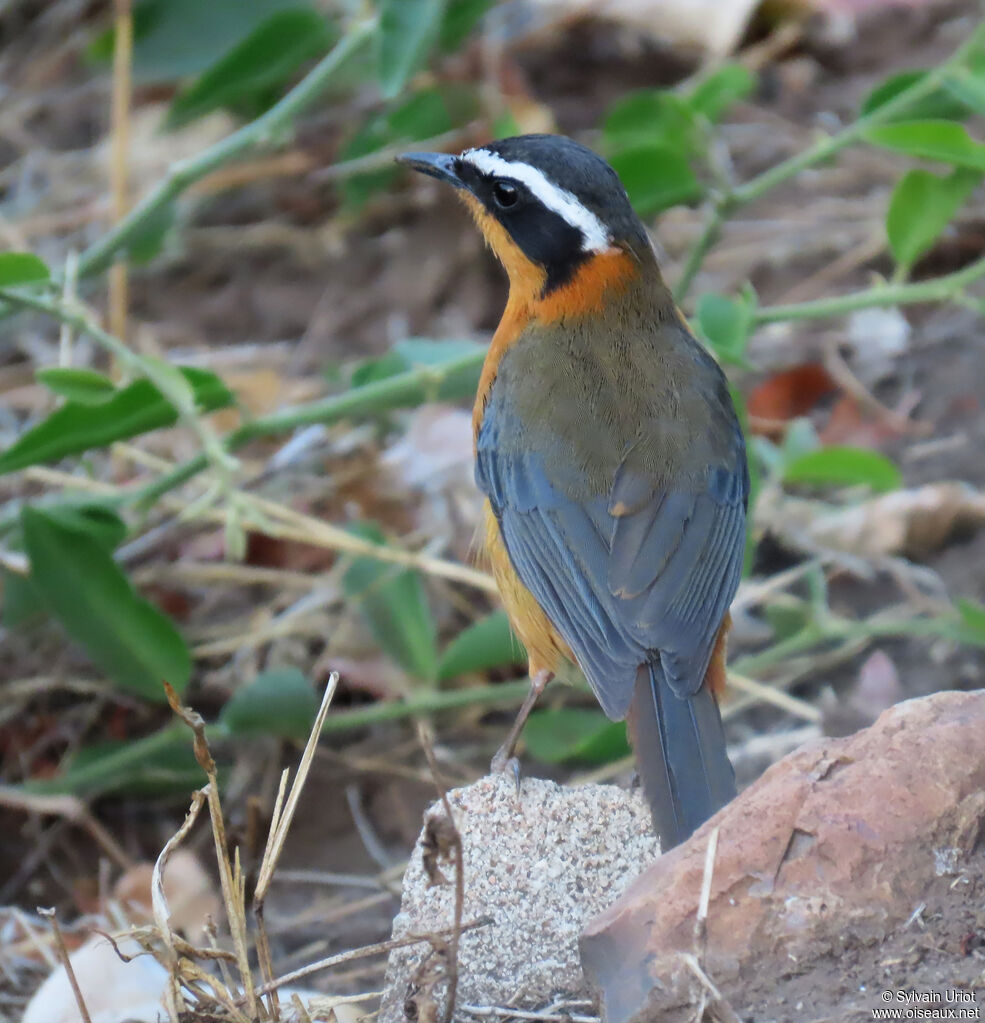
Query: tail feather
680, 753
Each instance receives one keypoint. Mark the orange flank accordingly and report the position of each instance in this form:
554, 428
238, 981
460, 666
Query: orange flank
716, 676
546, 650
586, 293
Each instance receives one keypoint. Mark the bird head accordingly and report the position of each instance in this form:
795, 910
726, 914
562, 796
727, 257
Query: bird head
550, 208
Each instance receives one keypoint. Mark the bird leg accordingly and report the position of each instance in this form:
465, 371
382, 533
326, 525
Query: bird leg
504, 757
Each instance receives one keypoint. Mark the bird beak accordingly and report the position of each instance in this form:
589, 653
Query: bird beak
437, 165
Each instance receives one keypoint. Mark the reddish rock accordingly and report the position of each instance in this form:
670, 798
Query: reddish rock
835, 845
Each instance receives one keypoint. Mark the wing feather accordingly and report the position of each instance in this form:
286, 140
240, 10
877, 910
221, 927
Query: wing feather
643, 571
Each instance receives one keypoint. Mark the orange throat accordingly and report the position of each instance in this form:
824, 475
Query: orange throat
594, 283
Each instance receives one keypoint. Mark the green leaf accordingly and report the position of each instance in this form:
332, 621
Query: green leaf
394, 604
419, 351
656, 178
717, 91
844, 466
94, 520
411, 354
945, 141
85, 386
921, 206
174, 39
21, 268
370, 371
966, 84
132, 410
20, 601
265, 59
652, 117
785, 620
407, 31
575, 733
973, 616
155, 765
279, 702
965, 624
726, 324
937, 104
461, 16
487, 643
82, 586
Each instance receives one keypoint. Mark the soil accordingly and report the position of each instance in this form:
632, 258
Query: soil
940, 951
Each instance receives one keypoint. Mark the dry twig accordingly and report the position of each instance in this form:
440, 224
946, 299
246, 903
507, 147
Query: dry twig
230, 877
279, 826
174, 1001
49, 914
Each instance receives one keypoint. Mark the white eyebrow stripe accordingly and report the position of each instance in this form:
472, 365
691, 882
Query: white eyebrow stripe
595, 238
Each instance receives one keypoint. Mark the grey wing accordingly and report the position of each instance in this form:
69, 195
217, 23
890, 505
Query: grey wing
621, 589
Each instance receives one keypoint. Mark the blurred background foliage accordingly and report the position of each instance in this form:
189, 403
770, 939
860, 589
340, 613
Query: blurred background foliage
99, 491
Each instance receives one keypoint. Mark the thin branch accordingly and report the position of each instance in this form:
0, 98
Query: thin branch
162, 913
69, 808
936, 289
728, 201
363, 953
165, 378
280, 825
119, 164
66, 961
264, 131
230, 874
714, 220
92, 777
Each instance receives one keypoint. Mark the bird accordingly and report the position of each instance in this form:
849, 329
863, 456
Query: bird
613, 465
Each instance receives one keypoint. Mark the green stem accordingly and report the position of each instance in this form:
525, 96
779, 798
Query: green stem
168, 381
263, 131
431, 702
707, 238
822, 150
103, 774
936, 289
451, 381
810, 635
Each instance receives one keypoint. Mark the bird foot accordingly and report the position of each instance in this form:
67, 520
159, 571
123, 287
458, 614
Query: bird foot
504, 762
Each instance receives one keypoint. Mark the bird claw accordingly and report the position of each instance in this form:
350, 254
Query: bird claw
505, 763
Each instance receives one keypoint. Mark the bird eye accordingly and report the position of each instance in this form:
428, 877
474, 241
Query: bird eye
505, 194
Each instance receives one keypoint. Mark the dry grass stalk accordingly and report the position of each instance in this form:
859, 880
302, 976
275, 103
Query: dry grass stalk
719, 1005
49, 914
70, 808
777, 697
279, 826
701, 917
547, 1016
379, 948
119, 167
231, 881
173, 1000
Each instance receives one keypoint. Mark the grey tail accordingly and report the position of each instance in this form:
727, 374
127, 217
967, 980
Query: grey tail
680, 755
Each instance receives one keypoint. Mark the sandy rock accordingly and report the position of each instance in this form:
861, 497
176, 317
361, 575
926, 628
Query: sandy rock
834, 846
539, 868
